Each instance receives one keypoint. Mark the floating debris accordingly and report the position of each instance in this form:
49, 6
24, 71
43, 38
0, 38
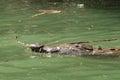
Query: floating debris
46, 12
80, 5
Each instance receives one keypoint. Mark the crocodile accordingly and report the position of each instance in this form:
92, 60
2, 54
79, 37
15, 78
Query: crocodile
75, 48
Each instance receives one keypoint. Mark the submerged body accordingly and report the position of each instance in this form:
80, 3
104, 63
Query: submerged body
69, 49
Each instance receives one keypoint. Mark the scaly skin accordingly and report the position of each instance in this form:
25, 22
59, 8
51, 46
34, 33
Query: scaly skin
106, 51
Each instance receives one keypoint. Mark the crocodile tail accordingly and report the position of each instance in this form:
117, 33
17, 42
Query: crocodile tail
104, 40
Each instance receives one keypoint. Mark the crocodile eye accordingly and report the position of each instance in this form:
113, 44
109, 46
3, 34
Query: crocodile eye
112, 49
77, 46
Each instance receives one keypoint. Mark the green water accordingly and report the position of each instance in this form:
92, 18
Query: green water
70, 26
